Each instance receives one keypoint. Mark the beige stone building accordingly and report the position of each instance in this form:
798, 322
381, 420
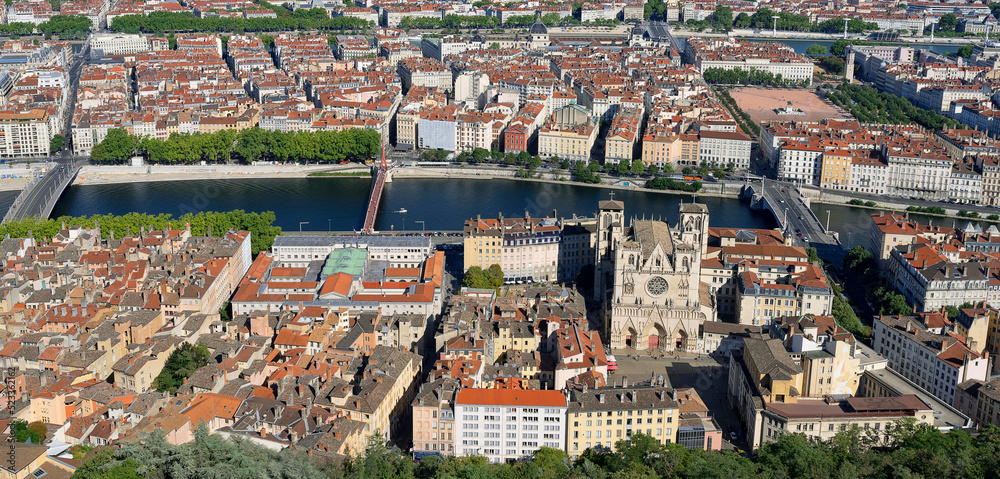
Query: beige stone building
653, 270
835, 169
383, 396
600, 417
569, 134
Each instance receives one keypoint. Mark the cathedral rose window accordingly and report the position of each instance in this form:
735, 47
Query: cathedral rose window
656, 286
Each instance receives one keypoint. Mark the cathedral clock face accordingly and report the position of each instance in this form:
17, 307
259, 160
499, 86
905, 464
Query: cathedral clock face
656, 286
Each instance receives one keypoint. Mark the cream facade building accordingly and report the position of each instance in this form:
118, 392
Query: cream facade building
569, 134
603, 416
653, 272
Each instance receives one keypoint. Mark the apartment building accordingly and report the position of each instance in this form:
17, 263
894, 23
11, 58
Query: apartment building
800, 162
774, 292
508, 425
835, 169
918, 173
569, 133
767, 387
729, 54
114, 44
889, 230
383, 396
433, 417
600, 417
966, 185
980, 400
25, 134
425, 72
931, 281
722, 149
868, 175
527, 249
925, 350
350, 47
991, 181
623, 136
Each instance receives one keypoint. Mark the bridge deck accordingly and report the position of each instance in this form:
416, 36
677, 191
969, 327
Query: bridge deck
795, 217
374, 199
40, 196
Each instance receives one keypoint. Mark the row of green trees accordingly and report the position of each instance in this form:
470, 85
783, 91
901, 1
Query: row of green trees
249, 145
836, 25
664, 183
260, 225
479, 21
742, 118
65, 24
933, 210
902, 450
739, 76
17, 28
62, 25
159, 22
868, 105
862, 268
857, 202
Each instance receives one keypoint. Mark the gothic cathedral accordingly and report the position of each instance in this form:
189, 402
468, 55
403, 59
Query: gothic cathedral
649, 276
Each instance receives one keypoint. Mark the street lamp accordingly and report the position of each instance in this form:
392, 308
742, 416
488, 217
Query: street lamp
329, 226
828, 221
421, 224
300, 225
774, 31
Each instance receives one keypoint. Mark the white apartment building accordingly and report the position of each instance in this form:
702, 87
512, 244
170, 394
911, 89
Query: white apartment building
438, 131
721, 148
508, 424
927, 354
112, 44
868, 175
919, 174
966, 184
800, 162
24, 134
930, 281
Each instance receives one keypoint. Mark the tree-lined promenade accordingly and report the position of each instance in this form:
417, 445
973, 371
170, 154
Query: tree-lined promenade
247, 146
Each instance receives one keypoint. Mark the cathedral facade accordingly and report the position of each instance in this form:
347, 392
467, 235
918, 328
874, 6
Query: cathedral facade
649, 276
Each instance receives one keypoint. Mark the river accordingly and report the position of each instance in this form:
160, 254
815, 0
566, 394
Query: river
442, 204
339, 203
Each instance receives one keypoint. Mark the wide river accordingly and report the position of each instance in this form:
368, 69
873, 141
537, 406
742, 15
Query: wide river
441, 204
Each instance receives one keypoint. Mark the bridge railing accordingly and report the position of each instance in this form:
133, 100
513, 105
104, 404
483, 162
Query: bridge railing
62, 177
373, 201
15, 207
66, 175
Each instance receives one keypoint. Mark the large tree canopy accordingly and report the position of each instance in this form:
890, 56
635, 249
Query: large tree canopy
249, 145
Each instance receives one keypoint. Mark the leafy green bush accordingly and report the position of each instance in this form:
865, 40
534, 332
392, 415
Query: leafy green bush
664, 183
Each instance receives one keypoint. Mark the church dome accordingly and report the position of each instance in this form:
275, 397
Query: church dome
538, 27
